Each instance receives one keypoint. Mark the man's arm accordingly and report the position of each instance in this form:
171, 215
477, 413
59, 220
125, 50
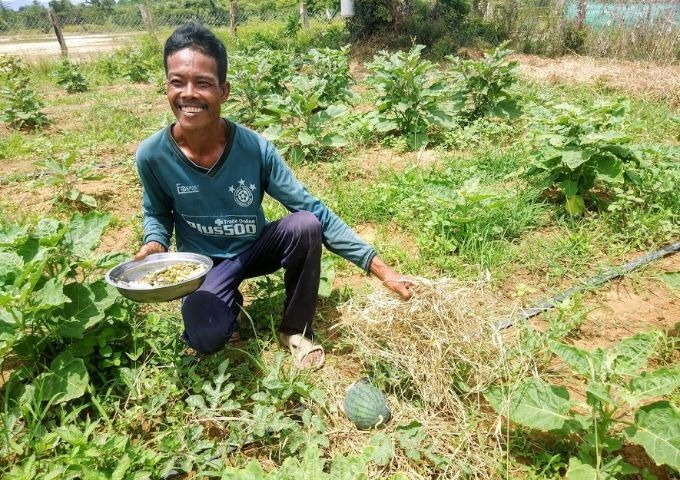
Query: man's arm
391, 278
157, 209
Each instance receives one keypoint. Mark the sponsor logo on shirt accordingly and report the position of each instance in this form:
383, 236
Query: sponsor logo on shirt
182, 189
243, 195
224, 226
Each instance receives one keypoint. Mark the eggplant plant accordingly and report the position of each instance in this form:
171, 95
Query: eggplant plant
578, 149
412, 96
299, 124
615, 384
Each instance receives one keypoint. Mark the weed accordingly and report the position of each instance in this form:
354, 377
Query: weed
70, 78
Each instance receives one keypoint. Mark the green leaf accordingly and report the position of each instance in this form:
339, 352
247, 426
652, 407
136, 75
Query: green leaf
574, 158
306, 139
66, 380
386, 126
661, 381
569, 188
580, 361
533, 404
657, 430
575, 206
631, 354
383, 451
415, 140
297, 155
51, 295
671, 279
273, 132
334, 111
327, 277
581, 471
81, 313
334, 141
597, 393
609, 169
85, 231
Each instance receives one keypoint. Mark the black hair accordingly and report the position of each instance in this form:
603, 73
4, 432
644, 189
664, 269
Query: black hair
196, 36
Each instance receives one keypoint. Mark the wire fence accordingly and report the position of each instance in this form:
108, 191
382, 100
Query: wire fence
83, 21
647, 29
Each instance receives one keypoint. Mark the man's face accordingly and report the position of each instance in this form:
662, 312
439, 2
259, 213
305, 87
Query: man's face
194, 90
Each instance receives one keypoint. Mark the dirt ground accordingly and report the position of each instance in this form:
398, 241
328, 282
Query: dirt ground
659, 82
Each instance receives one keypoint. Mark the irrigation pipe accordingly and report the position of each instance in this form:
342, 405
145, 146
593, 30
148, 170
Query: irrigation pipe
619, 271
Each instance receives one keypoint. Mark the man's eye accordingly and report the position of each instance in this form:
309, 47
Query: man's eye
175, 83
205, 84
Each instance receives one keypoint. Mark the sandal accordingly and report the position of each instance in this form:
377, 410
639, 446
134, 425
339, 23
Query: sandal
301, 346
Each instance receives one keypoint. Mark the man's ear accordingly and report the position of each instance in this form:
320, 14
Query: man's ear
226, 88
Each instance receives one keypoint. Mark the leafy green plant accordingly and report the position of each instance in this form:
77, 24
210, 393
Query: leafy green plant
484, 86
579, 149
64, 173
412, 96
20, 103
136, 67
299, 124
49, 292
258, 73
614, 384
70, 78
332, 66
452, 217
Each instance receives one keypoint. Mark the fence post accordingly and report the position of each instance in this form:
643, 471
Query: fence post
232, 13
303, 15
488, 11
57, 31
581, 15
148, 21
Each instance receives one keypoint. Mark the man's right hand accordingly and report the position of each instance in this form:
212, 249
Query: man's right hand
148, 249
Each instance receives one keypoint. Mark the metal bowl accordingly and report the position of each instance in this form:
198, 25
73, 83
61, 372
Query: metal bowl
124, 276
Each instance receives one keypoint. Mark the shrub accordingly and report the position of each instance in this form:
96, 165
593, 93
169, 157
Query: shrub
21, 105
70, 78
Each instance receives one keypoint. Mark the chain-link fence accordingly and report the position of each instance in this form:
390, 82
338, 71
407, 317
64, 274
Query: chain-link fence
36, 31
35, 19
643, 29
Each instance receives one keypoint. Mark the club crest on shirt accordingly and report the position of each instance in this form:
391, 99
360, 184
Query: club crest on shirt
243, 195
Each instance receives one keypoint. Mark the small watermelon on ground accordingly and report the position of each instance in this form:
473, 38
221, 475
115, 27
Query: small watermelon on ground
366, 406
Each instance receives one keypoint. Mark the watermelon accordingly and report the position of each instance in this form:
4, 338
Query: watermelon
366, 406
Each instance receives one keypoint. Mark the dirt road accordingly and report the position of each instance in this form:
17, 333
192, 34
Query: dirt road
78, 45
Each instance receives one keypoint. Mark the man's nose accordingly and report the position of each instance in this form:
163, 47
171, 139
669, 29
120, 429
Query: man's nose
189, 89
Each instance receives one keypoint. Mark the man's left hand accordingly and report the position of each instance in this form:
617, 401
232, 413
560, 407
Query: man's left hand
393, 280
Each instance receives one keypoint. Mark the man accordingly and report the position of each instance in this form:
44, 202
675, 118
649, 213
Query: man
205, 177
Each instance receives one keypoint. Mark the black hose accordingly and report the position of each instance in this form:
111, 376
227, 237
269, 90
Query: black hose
591, 283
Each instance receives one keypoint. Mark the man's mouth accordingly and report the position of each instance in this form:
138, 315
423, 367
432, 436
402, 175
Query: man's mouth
191, 108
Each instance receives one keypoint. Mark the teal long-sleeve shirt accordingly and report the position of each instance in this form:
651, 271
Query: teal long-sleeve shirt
218, 212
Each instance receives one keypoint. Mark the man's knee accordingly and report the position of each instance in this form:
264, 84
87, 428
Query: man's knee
208, 322
306, 223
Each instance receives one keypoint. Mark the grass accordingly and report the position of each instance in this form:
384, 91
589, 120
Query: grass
486, 247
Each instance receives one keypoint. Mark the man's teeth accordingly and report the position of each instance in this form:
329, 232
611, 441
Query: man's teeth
191, 109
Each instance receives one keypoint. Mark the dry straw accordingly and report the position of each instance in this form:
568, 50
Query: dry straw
444, 343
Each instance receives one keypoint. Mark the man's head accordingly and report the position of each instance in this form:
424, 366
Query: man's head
197, 37
195, 66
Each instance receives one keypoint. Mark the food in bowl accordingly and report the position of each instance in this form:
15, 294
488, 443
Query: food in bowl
170, 275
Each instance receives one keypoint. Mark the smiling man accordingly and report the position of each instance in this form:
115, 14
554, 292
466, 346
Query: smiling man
204, 177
